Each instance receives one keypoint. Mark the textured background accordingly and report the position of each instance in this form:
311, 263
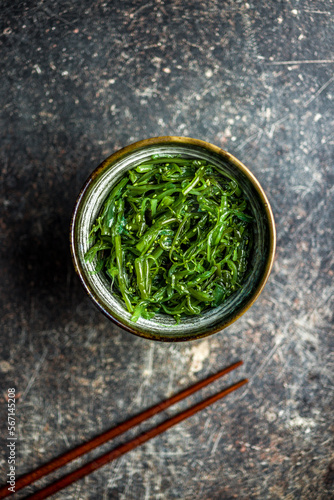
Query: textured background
79, 80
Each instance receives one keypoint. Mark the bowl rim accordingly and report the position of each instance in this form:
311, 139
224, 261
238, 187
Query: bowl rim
163, 140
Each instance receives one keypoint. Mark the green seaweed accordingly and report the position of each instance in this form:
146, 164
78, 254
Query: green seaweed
174, 236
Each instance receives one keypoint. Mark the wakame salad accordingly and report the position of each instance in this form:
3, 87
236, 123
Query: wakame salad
174, 236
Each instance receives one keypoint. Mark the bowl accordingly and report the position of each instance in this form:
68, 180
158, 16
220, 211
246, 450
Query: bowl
162, 327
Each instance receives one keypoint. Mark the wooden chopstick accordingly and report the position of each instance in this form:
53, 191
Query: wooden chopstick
130, 445
81, 450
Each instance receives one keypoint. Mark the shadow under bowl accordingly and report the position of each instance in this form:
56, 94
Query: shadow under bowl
163, 327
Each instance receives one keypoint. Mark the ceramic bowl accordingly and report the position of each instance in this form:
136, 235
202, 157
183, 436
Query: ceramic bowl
162, 327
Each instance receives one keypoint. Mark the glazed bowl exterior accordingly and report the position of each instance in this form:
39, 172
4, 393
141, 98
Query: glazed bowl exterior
162, 327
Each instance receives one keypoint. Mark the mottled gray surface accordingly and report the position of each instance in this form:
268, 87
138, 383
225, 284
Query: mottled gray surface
79, 80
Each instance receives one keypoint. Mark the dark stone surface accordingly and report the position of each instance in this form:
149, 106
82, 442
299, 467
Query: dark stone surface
79, 80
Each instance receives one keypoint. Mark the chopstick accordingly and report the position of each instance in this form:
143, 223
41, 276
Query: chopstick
95, 464
130, 445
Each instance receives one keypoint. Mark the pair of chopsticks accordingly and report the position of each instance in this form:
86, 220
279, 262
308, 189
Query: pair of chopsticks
95, 464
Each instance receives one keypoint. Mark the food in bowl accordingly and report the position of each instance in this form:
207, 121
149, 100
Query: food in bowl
105, 290
173, 237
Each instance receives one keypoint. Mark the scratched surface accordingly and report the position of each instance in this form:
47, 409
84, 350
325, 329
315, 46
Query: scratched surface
79, 80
